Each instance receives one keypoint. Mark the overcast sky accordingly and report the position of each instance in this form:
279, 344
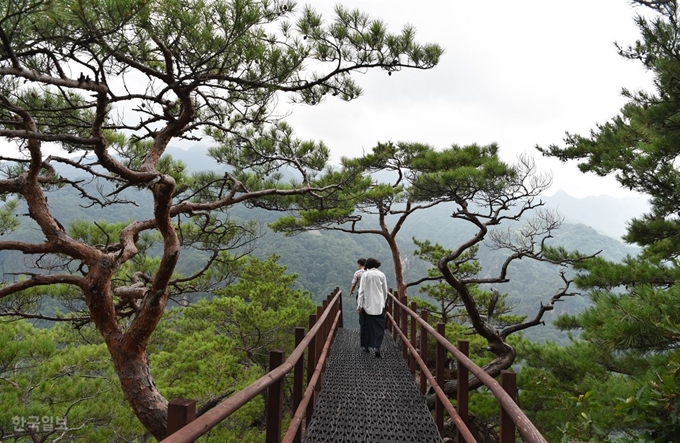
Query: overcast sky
519, 73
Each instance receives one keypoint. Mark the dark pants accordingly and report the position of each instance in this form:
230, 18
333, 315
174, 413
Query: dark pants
374, 325
363, 330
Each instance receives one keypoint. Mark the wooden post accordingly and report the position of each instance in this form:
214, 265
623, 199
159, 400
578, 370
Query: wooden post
274, 400
423, 351
404, 327
441, 357
298, 379
463, 394
311, 365
509, 383
340, 324
320, 340
181, 412
397, 316
412, 360
388, 310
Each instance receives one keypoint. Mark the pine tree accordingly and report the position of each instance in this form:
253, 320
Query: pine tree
114, 84
632, 331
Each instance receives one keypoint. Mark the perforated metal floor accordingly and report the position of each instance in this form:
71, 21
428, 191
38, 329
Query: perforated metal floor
365, 399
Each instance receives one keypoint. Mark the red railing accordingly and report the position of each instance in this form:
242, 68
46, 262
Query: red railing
183, 428
512, 417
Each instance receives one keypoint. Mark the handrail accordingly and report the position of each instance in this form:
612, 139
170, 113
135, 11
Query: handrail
299, 413
214, 416
524, 425
460, 424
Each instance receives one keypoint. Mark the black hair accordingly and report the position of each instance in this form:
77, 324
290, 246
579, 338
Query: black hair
372, 263
361, 262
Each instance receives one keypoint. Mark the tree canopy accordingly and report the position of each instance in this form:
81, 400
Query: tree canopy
630, 333
113, 84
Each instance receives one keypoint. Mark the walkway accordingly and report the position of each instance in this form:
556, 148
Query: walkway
365, 399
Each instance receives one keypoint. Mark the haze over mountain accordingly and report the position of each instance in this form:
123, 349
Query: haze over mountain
323, 260
606, 214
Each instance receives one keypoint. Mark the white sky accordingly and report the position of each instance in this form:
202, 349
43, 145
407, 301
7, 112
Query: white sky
519, 73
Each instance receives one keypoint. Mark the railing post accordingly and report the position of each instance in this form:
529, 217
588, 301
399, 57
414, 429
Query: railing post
311, 365
274, 400
320, 340
334, 312
404, 327
324, 327
509, 383
388, 310
423, 351
397, 316
441, 357
463, 394
340, 324
181, 412
298, 379
412, 360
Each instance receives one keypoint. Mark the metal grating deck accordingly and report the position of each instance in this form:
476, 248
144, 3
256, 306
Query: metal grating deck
365, 399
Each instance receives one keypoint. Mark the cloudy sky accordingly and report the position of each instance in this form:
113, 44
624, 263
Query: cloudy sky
519, 73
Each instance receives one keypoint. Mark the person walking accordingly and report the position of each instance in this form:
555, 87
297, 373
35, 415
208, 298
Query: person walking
357, 275
371, 301
363, 337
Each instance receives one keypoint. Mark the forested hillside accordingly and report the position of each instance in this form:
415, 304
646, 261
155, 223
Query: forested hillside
324, 259
165, 273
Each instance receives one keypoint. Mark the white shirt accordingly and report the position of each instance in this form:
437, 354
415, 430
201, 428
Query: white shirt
372, 292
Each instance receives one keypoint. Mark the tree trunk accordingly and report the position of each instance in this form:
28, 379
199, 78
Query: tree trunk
505, 354
398, 268
128, 349
150, 407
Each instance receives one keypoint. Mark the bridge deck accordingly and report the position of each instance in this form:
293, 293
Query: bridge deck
365, 399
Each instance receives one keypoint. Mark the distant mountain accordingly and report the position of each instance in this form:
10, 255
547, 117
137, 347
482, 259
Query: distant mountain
324, 260
608, 215
196, 158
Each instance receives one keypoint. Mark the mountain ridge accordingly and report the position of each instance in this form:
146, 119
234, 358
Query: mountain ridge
324, 260
606, 214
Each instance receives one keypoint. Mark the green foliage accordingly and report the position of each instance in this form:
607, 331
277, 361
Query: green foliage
212, 69
656, 406
101, 232
642, 320
458, 172
70, 388
631, 330
568, 391
260, 311
8, 219
217, 346
199, 362
478, 345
